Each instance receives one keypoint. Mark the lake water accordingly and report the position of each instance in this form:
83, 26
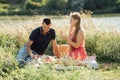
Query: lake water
107, 23
103, 23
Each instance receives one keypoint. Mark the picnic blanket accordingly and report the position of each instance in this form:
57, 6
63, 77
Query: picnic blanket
66, 62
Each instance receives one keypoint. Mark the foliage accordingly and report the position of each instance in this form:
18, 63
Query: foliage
49, 72
29, 4
118, 5
60, 6
57, 5
3, 1
11, 43
11, 1
105, 44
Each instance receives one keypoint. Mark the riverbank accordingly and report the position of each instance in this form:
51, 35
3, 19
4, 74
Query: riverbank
106, 15
26, 17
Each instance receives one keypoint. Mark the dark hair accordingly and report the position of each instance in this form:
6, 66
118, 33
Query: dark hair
47, 21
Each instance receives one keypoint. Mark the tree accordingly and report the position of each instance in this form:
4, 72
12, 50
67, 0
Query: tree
57, 4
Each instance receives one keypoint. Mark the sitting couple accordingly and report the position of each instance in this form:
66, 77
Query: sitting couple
40, 37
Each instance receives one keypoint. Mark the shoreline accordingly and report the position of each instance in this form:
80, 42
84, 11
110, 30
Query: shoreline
26, 17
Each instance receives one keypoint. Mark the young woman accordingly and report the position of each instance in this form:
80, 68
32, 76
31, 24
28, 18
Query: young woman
76, 38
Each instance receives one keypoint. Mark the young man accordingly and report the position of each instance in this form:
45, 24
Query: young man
38, 41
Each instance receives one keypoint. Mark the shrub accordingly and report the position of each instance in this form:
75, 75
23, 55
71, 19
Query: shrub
3, 12
3, 1
11, 43
105, 44
32, 5
57, 5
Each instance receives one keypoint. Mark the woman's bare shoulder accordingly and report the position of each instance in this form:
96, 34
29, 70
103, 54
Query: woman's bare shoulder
81, 31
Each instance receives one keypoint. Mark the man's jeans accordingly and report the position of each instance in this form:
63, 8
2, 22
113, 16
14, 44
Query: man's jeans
23, 56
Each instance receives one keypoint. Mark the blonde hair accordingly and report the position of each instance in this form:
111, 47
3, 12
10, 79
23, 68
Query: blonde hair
76, 16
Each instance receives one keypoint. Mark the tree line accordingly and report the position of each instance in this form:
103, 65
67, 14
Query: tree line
22, 7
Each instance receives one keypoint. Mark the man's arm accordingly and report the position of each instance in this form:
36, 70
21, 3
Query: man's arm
29, 43
55, 48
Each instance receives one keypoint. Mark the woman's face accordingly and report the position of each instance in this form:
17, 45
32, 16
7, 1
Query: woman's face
73, 21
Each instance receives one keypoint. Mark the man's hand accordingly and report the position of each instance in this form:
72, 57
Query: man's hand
30, 54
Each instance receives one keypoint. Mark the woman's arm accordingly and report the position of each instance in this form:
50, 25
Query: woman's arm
80, 38
71, 32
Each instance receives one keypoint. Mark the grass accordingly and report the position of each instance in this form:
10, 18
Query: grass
49, 72
105, 44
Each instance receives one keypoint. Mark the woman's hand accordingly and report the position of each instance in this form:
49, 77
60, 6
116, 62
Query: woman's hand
63, 36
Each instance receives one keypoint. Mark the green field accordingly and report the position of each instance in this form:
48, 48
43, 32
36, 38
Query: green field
14, 32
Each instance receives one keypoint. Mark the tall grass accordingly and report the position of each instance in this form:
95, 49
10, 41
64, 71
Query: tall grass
11, 43
106, 45
10, 71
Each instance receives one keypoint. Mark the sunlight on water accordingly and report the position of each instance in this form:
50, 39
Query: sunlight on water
26, 25
107, 23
